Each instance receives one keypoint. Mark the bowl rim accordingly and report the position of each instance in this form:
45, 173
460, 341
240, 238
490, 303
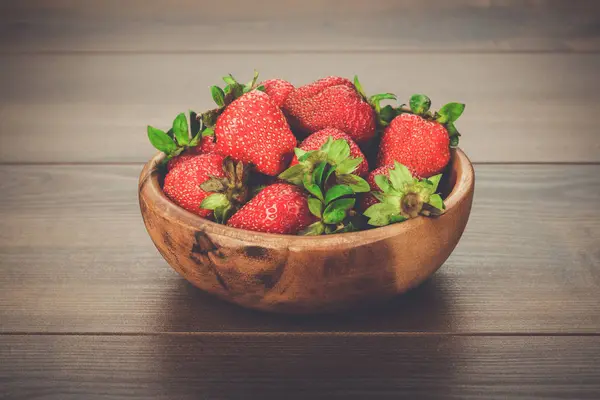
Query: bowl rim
149, 187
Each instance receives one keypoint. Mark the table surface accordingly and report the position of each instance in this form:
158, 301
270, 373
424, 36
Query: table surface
89, 309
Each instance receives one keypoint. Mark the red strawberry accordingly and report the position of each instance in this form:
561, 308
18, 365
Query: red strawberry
278, 90
278, 208
318, 139
421, 145
182, 183
367, 199
253, 129
206, 146
331, 103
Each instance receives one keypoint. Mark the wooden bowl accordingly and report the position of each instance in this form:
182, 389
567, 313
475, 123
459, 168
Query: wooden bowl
294, 274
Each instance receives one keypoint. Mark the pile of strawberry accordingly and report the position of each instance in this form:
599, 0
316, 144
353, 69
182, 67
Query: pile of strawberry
318, 159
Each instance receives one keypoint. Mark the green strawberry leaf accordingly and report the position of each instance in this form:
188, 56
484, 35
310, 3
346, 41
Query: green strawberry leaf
315, 206
356, 183
359, 87
450, 112
161, 141
218, 95
223, 213
379, 196
387, 114
294, 174
233, 91
397, 218
336, 212
214, 201
327, 145
180, 130
312, 188
195, 140
194, 123
379, 214
248, 87
315, 229
349, 165
384, 183
208, 132
330, 170
436, 201
229, 79
313, 157
452, 131
419, 104
336, 192
435, 181
338, 152
347, 227
261, 88
453, 141
317, 175
382, 96
375, 100
299, 152
400, 176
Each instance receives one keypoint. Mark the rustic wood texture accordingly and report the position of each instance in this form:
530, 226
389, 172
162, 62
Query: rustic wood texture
299, 367
95, 108
300, 25
76, 258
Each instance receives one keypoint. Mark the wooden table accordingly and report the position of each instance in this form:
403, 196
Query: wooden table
89, 309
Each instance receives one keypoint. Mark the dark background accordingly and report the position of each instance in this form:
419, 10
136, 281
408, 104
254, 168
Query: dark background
89, 309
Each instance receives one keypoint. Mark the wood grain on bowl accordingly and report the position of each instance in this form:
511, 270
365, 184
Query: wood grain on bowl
294, 274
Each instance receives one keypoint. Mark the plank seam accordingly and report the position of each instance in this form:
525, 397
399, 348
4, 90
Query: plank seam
314, 334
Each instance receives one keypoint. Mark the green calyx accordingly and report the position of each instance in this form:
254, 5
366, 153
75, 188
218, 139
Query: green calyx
179, 138
327, 175
233, 90
402, 197
447, 115
384, 114
229, 193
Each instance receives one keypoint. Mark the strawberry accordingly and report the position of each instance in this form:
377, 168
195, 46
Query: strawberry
182, 183
331, 102
397, 196
207, 145
335, 102
208, 182
278, 90
252, 129
318, 139
419, 140
278, 208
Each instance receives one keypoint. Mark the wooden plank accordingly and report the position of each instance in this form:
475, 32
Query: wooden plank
299, 367
300, 25
94, 108
75, 257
